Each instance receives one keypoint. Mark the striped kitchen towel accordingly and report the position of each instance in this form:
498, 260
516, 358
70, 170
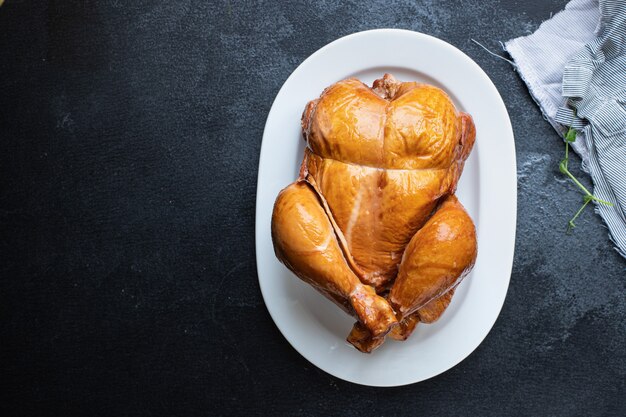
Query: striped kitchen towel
575, 68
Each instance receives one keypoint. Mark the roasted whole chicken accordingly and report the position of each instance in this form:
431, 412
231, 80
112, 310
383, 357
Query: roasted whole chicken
372, 221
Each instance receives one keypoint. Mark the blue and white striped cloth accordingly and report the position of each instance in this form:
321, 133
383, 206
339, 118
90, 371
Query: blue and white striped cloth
575, 68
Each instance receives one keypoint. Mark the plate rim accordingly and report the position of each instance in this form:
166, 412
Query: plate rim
512, 180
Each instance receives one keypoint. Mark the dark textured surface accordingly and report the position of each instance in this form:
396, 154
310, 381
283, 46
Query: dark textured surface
129, 142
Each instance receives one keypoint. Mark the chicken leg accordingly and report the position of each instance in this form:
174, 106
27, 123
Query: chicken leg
436, 259
308, 244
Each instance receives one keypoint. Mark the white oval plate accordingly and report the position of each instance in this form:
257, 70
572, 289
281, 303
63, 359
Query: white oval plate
488, 188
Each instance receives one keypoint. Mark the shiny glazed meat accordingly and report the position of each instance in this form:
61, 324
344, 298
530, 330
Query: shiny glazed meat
372, 221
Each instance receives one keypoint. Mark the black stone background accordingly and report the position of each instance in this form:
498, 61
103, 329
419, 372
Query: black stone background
129, 142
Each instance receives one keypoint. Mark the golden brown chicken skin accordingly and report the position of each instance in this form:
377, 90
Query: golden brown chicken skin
435, 261
372, 221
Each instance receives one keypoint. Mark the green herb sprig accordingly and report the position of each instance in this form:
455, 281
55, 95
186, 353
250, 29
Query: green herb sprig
570, 137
